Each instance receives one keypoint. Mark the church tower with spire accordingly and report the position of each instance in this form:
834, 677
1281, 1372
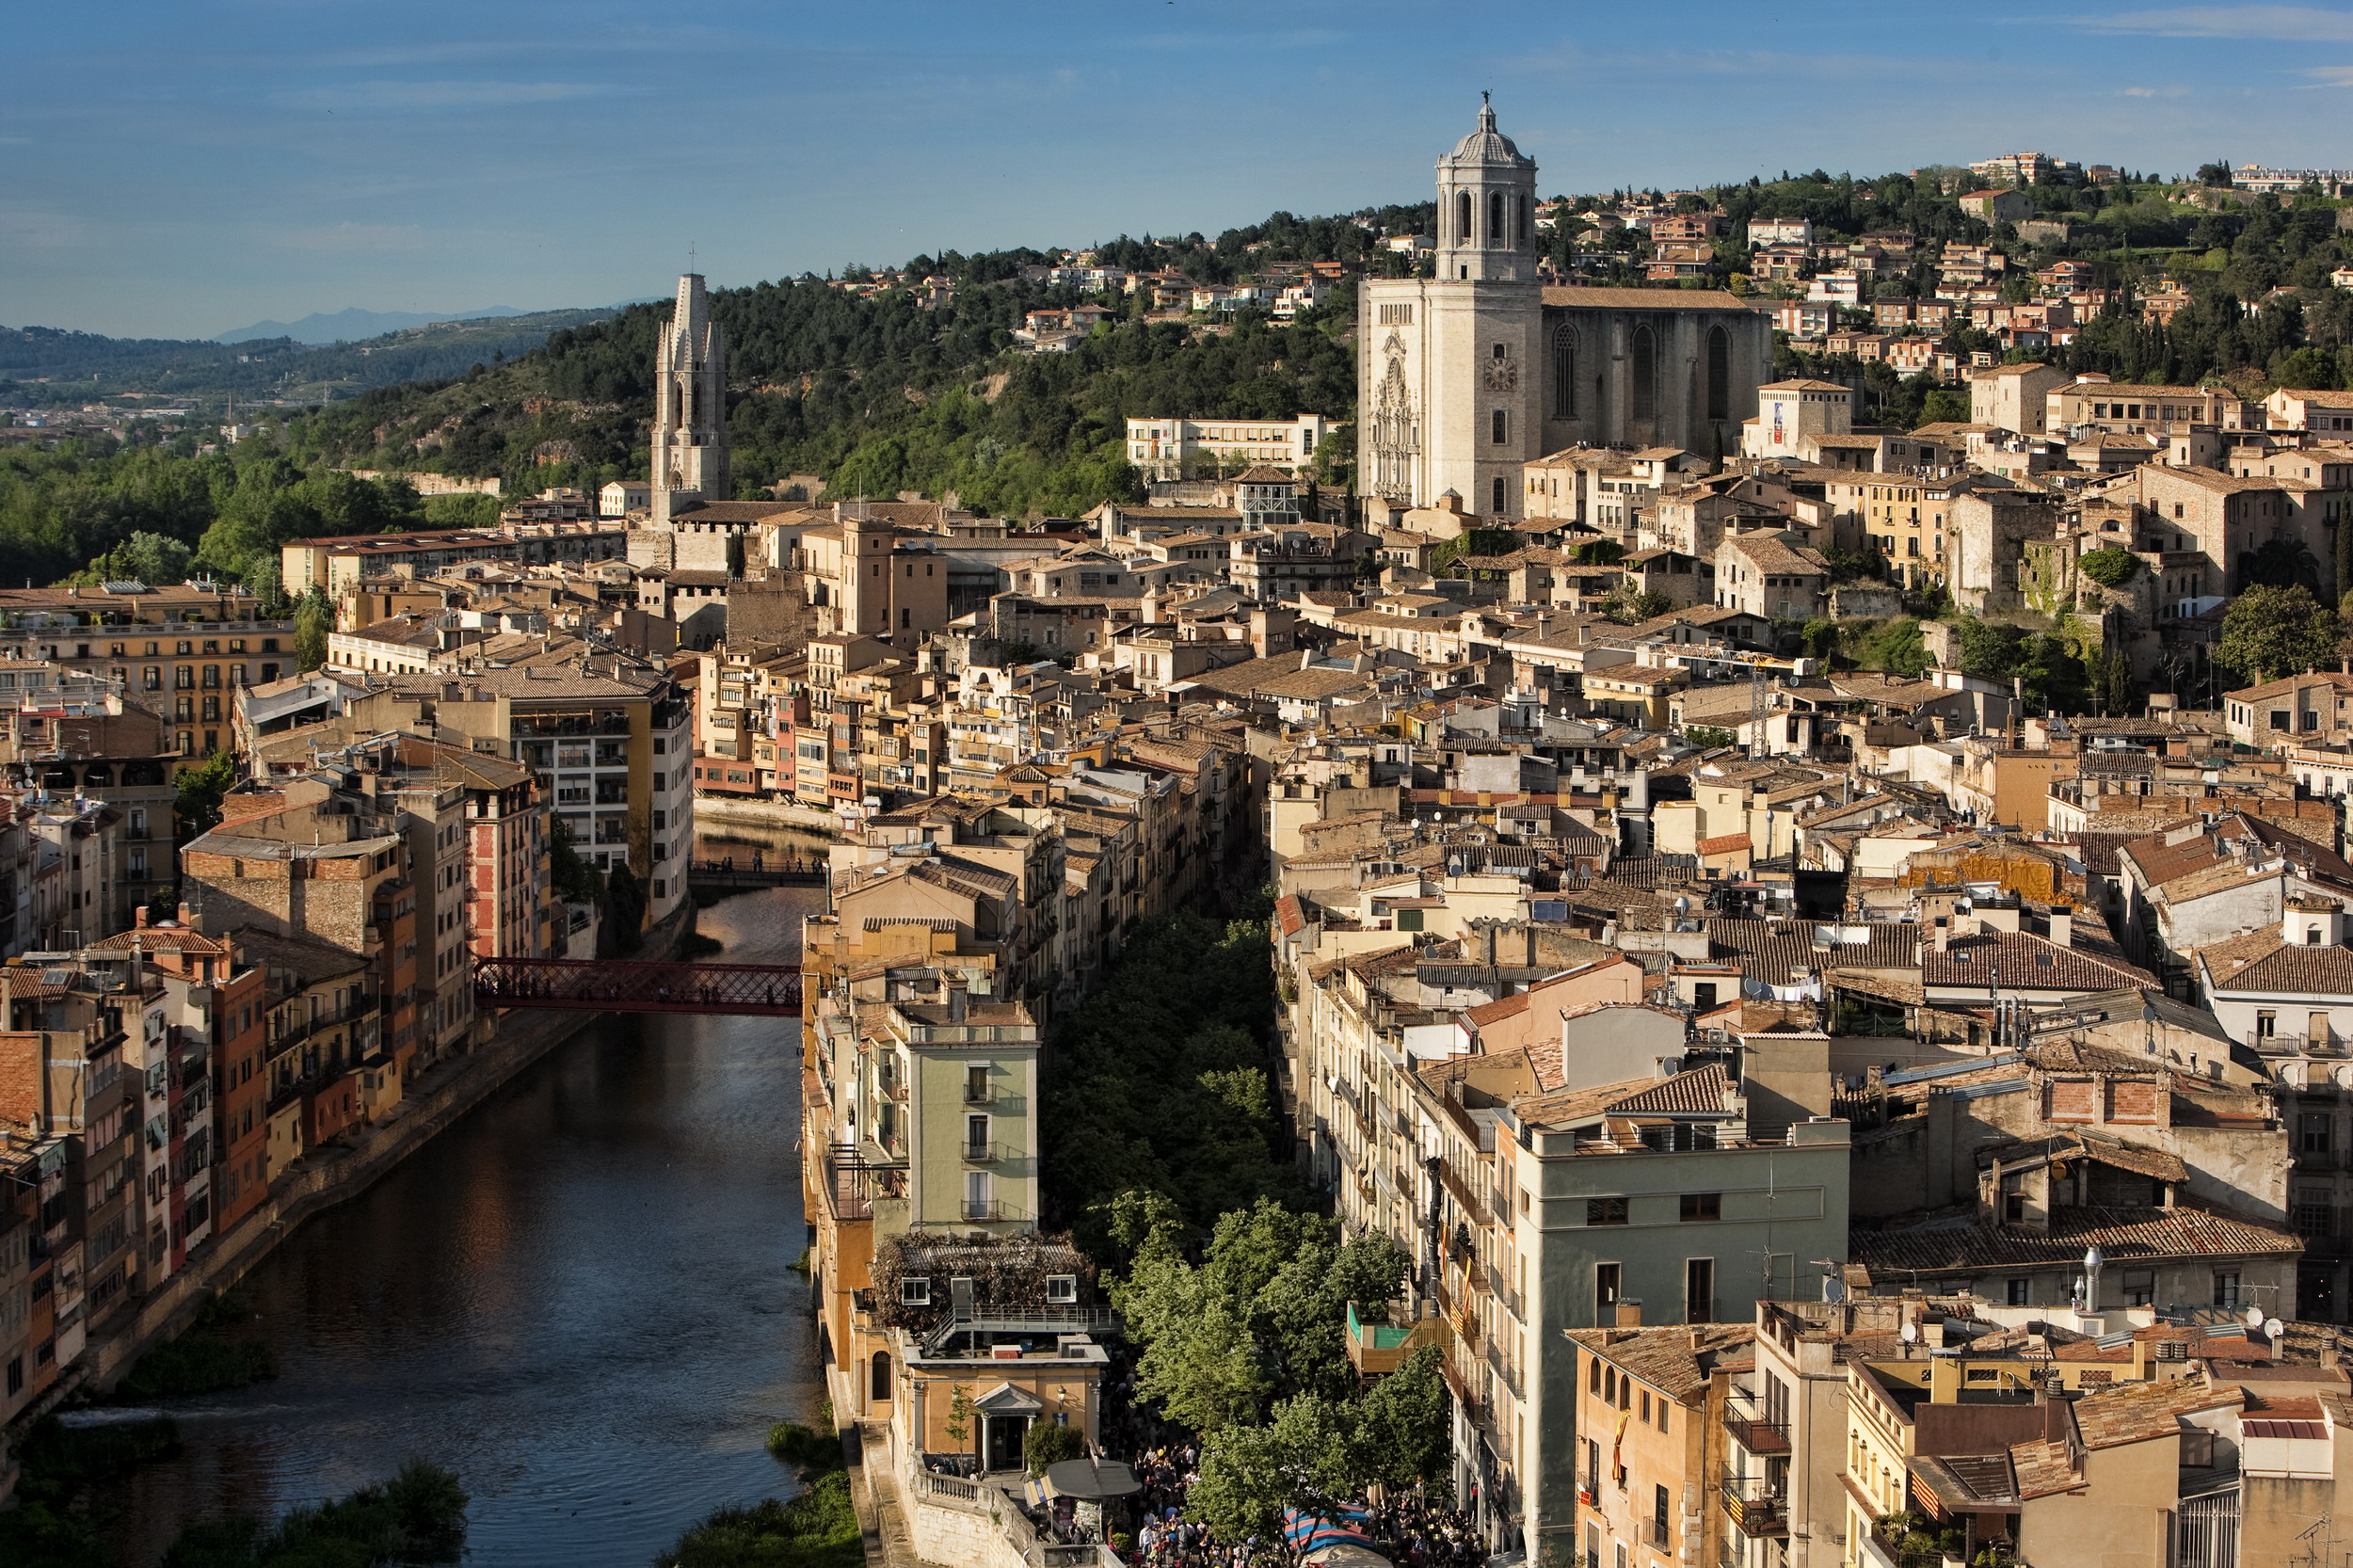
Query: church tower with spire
1466, 375
1445, 374
689, 423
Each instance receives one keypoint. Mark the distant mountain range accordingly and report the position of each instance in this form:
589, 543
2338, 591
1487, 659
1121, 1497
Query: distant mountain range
356, 325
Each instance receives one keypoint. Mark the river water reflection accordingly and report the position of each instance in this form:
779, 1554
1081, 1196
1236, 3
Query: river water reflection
580, 1298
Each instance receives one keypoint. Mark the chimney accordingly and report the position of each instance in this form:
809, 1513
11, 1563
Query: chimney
1629, 1312
958, 993
1944, 933
2062, 926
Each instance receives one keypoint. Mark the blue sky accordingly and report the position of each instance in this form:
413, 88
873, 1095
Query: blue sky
179, 167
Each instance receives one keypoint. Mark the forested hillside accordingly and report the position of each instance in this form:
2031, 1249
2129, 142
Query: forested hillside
43, 367
880, 393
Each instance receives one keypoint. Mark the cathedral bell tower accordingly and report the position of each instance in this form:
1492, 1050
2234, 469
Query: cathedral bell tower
1486, 207
689, 423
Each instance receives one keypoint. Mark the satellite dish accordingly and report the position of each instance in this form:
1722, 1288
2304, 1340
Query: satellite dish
2254, 1317
2273, 1328
1910, 1333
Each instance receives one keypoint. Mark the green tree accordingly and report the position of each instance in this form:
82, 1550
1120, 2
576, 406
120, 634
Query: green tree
2281, 564
2271, 632
961, 1410
1629, 606
1262, 1317
2110, 566
1707, 737
314, 618
1896, 647
196, 805
1402, 1433
1049, 1443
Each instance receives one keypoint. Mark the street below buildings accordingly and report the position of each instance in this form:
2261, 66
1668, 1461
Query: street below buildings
580, 1298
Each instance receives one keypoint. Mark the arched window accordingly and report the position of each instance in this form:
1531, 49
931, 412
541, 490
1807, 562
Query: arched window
881, 1389
1464, 235
1565, 372
1644, 354
1718, 374
1502, 423
1496, 231
1502, 501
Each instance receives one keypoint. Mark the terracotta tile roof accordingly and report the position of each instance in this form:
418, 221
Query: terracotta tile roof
1698, 1091
1766, 950
2043, 1469
2261, 960
2136, 1412
1724, 845
2030, 963
1968, 1243
1703, 1089
1675, 1361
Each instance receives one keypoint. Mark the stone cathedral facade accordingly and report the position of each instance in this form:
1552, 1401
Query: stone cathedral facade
1465, 376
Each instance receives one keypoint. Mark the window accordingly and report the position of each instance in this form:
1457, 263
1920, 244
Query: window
1565, 372
2019, 1293
914, 1291
1502, 504
2266, 1023
2226, 1288
1497, 232
1718, 374
1500, 420
1643, 352
2312, 1133
1062, 1289
879, 1389
976, 1082
1463, 234
1605, 1211
1702, 1206
1606, 1277
1699, 1291
1593, 1376
975, 1137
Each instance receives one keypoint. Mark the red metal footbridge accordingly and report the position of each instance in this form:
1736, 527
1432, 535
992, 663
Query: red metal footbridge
606, 986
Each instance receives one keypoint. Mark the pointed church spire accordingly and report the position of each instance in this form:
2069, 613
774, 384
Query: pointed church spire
690, 426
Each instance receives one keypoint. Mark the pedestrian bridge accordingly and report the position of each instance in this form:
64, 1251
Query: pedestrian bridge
737, 872
618, 986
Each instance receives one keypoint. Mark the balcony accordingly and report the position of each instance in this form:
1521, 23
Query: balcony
982, 1152
1375, 1348
2323, 1046
1758, 1437
1756, 1508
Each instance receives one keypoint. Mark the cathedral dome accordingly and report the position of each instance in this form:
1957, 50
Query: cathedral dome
1487, 145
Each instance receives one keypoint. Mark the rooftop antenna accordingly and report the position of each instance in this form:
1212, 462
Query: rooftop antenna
692, 252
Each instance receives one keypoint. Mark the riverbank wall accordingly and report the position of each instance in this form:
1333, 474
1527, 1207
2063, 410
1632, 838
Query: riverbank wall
720, 811
338, 1173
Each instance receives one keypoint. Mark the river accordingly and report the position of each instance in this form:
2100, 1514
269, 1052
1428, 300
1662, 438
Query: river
580, 1298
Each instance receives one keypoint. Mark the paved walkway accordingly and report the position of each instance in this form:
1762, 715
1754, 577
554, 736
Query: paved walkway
874, 1494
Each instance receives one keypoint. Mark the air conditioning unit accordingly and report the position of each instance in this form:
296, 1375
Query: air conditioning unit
1062, 1289
914, 1291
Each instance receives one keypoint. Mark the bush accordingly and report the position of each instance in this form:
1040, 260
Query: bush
1045, 1443
66, 1493
816, 1529
2110, 566
198, 1361
1708, 737
813, 1450
419, 1516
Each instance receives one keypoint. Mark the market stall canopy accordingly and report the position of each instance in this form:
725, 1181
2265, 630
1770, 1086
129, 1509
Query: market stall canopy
1092, 1478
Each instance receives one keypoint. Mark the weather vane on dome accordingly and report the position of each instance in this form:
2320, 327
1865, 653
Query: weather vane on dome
1486, 99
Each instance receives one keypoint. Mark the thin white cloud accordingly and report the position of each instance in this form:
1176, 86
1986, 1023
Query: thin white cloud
2175, 91
2294, 23
2330, 76
396, 96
